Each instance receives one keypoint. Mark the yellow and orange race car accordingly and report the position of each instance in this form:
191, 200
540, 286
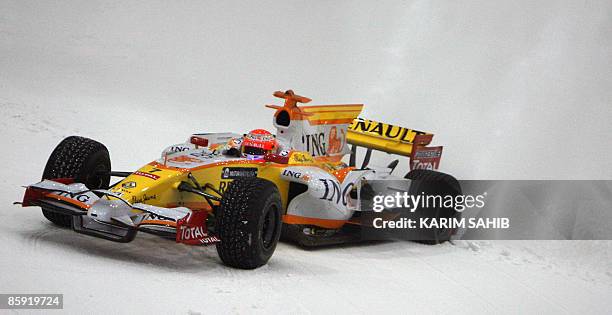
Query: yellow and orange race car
240, 192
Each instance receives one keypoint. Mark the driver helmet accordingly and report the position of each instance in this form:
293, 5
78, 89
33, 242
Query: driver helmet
257, 143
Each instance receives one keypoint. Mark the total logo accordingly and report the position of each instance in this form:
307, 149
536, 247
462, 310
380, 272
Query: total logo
196, 232
417, 165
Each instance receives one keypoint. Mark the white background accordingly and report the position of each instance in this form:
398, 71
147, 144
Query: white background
512, 89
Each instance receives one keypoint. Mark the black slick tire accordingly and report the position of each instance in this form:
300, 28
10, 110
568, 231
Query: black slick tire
85, 161
249, 223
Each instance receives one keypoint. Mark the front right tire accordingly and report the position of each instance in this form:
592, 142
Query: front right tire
248, 222
81, 159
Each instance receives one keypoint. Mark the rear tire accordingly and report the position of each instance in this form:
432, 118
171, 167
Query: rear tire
249, 223
435, 183
81, 159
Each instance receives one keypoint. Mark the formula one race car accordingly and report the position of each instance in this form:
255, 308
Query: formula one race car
241, 192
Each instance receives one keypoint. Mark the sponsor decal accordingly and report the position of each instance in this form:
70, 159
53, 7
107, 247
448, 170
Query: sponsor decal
334, 192
184, 159
129, 185
191, 230
203, 155
315, 143
238, 172
426, 158
299, 157
327, 142
212, 239
392, 132
116, 193
147, 175
293, 174
336, 142
223, 186
428, 154
78, 197
297, 175
417, 165
189, 233
179, 148
256, 145
142, 199
153, 216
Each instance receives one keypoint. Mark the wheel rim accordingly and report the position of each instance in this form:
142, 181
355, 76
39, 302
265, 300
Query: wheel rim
270, 227
95, 181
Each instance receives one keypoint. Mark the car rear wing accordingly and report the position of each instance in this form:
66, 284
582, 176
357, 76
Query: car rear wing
388, 138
